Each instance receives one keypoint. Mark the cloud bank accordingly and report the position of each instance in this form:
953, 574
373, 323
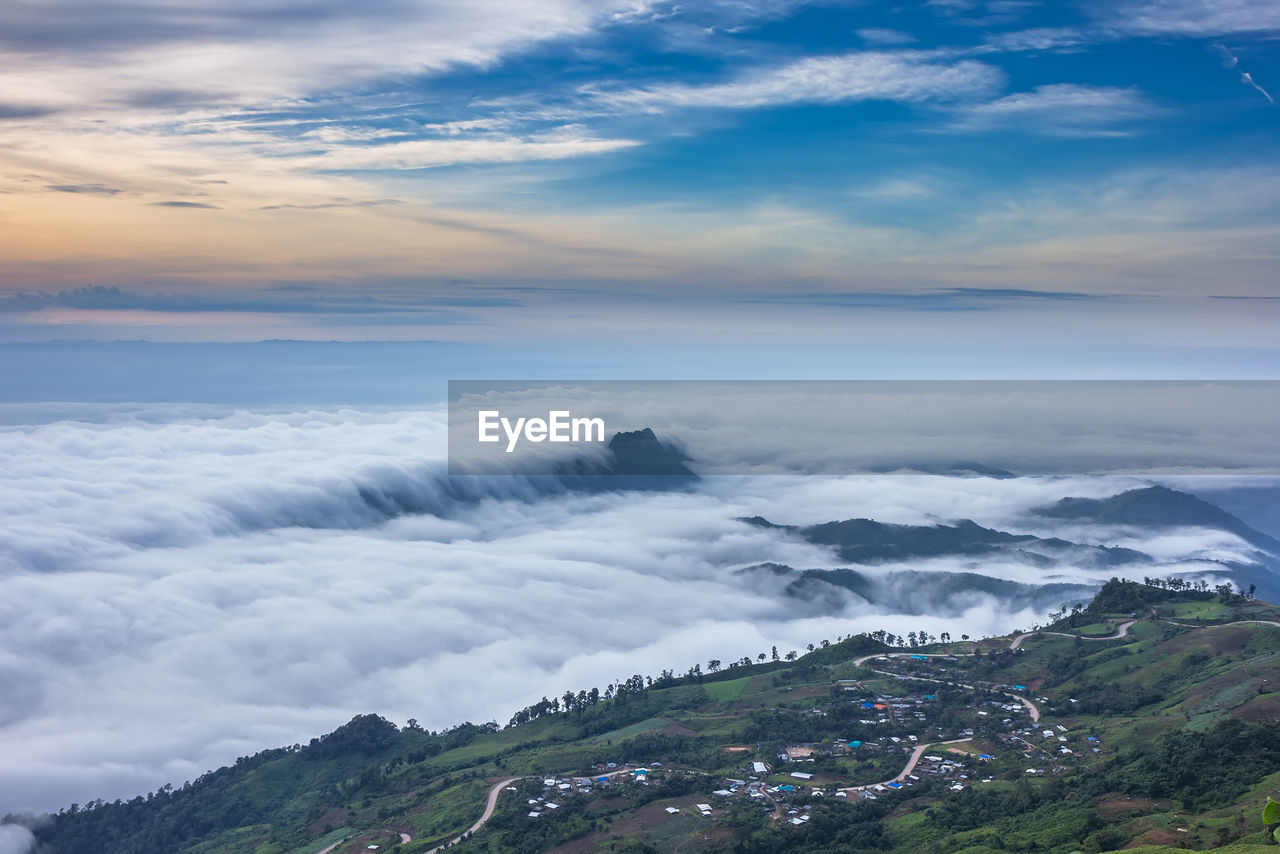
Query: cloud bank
783, 427
15, 839
179, 589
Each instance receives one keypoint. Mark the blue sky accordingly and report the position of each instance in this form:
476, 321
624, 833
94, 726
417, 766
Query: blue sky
1089, 174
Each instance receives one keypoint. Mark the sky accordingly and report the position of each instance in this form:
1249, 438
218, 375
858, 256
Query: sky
244, 245
1030, 175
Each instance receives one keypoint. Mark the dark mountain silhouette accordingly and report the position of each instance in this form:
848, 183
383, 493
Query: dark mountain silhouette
961, 468
640, 452
1157, 507
910, 591
867, 541
637, 460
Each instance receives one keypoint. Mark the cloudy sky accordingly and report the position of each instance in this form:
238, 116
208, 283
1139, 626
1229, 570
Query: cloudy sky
1073, 173
241, 241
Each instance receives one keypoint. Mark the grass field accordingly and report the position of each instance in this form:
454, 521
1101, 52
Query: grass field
1206, 611
634, 729
450, 810
323, 842
1095, 630
728, 690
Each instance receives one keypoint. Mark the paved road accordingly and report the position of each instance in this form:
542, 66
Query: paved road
1031, 707
488, 811
910, 766
404, 837
1236, 623
1121, 631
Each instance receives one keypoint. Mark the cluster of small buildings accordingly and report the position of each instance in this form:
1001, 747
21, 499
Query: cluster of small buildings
565, 787
1004, 719
891, 710
930, 765
753, 789
704, 810
1049, 742
771, 799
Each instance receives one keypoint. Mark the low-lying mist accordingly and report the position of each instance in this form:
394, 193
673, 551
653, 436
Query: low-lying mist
176, 591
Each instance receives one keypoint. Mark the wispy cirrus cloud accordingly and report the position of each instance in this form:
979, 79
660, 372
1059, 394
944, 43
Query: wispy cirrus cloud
907, 76
884, 36
1112, 22
71, 55
981, 13
330, 111
1062, 109
1040, 39
98, 189
1190, 17
432, 153
337, 203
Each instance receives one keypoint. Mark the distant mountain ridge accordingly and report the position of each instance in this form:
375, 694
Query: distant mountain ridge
1157, 506
637, 460
911, 591
867, 541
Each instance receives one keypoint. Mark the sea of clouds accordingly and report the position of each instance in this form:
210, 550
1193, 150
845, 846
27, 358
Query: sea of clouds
182, 586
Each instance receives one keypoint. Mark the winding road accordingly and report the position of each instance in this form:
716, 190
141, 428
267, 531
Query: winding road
488, 811
910, 766
1219, 625
404, 837
1121, 631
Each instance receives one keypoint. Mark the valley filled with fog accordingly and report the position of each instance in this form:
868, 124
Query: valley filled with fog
182, 586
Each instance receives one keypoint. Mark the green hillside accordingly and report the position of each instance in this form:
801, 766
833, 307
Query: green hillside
1067, 739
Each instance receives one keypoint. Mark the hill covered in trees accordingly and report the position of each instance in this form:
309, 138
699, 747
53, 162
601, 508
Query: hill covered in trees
1147, 717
